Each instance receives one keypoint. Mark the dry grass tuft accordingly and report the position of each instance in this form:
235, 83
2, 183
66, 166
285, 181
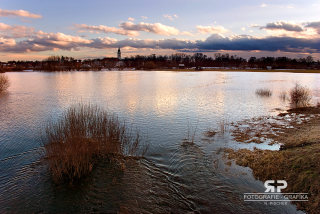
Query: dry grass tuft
264, 92
223, 126
191, 136
4, 82
283, 96
84, 135
300, 96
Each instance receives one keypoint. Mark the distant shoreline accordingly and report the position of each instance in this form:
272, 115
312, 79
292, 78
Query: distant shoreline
192, 70
250, 70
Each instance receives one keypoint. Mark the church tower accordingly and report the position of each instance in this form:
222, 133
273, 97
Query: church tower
119, 54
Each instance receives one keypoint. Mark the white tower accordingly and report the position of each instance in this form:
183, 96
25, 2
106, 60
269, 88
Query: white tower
119, 54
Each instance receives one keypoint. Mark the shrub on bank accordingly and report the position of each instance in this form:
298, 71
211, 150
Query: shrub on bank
4, 82
84, 135
300, 96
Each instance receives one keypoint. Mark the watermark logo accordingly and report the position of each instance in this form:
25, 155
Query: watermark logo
270, 188
273, 196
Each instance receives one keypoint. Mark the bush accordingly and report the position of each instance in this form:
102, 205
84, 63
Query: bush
84, 135
300, 96
4, 82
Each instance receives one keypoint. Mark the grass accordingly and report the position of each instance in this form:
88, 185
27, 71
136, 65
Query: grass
191, 136
223, 126
283, 96
4, 82
299, 96
264, 92
83, 136
297, 161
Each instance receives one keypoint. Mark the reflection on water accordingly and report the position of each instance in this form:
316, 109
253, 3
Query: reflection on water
175, 176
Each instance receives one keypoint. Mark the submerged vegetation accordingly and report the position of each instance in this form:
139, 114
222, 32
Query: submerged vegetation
283, 96
265, 92
4, 82
84, 135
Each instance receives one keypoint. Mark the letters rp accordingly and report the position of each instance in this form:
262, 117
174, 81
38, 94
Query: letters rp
271, 188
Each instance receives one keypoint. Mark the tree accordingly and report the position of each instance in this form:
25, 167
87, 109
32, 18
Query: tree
150, 65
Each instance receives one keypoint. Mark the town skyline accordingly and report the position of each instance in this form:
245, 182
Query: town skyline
34, 30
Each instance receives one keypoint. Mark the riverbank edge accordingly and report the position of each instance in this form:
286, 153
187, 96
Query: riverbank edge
192, 70
297, 162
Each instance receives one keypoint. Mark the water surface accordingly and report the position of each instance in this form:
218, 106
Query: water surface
166, 106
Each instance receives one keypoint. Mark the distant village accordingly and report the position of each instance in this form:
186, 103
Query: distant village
197, 61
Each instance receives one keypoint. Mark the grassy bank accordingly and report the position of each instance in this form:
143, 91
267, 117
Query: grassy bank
297, 161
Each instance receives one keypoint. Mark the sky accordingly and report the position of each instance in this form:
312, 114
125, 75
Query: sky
36, 29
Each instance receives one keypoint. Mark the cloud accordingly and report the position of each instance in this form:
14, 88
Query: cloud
167, 16
255, 25
105, 29
314, 25
21, 13
16, 31
283, 25
215, 42
243, 29
26, 20
170, 16
187, 33
249, 43
131, 19
211, 29
156, 28
263, 5
144, 17
130, 29
43, 42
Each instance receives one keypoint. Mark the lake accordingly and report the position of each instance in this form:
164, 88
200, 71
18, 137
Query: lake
165, 106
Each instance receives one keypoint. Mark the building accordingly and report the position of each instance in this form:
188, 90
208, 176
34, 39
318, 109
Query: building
181, 66
119, 54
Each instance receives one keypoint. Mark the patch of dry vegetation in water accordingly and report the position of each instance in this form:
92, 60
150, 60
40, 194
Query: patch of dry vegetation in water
85, 135
4, 82
297, 162
264, 92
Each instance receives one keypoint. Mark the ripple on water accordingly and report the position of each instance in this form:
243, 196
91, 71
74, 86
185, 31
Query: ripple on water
174, 177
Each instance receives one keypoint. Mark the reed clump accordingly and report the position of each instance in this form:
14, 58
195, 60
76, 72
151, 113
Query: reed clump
83, 136
283, 96
300, 96
4, 82
265, 92
223, 126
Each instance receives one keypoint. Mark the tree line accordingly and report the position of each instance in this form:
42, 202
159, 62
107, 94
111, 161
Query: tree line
153, 61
